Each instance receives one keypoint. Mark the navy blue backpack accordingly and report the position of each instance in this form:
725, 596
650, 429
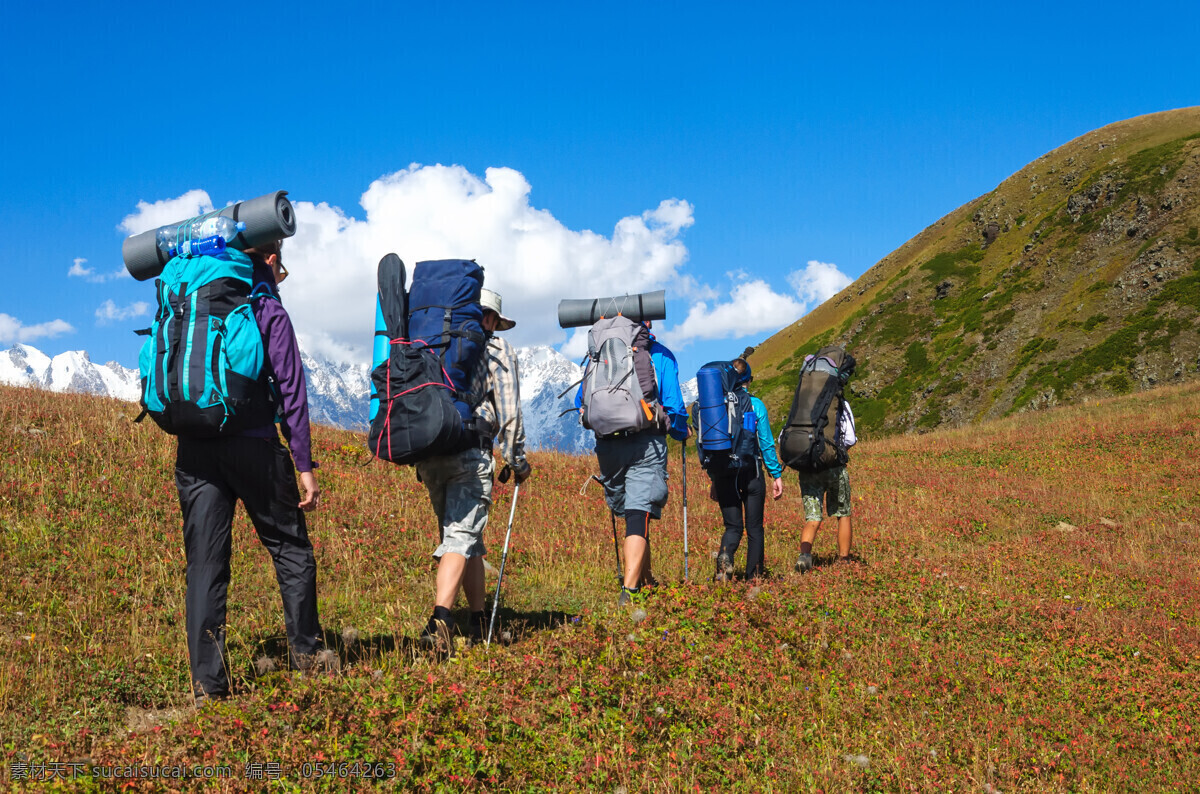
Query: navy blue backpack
724, 420
428, 342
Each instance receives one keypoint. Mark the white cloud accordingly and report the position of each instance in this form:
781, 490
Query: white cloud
110, 312
753, 308
79, 271
531, 258
150, 216
440, 212
818, 282
13, 330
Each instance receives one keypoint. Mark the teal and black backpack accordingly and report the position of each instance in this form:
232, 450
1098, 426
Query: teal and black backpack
202, 365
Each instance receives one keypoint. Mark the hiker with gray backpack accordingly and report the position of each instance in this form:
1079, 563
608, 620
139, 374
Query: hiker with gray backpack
734, 442
815, 441
220, 367
630, 398
443, 388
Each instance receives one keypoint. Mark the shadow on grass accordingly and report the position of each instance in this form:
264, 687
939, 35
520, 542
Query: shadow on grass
512, 626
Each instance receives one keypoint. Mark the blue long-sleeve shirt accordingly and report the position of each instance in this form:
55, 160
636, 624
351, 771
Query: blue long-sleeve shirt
766, 439
666, 370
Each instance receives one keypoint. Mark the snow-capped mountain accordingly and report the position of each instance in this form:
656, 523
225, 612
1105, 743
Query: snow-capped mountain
338, 393
691, 391
546, 373
73, 371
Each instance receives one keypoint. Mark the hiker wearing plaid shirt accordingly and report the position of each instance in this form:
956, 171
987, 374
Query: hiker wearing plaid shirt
460, 485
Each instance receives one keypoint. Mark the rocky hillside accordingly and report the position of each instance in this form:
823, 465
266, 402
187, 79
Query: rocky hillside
1078, 276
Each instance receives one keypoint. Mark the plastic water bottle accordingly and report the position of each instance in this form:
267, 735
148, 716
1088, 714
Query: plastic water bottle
199, 237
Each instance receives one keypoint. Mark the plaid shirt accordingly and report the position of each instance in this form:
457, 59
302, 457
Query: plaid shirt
496, 378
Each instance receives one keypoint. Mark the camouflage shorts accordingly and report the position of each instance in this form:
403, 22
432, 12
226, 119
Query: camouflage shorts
829, 489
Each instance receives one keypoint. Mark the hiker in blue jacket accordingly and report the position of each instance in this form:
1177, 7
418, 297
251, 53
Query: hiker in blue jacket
633, 469
741, 491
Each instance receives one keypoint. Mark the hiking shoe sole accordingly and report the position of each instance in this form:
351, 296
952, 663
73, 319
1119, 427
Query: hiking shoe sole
724, 569
438, 637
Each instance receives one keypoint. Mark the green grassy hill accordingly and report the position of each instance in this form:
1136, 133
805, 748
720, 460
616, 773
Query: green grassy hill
1078, 276
1026, 619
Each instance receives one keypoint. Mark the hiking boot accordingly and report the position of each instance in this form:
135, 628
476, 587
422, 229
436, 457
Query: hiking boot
724, 568
626, 597
438, 637
477, 631
804, 563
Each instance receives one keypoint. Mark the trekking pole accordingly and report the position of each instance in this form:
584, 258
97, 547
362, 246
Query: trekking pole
683, 454
512, 511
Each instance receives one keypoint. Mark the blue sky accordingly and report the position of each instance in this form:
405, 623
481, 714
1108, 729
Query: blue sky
739, 143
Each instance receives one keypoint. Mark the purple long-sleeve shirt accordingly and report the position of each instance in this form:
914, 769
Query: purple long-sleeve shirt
283, 363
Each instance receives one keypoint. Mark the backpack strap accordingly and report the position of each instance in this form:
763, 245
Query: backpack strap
262, 290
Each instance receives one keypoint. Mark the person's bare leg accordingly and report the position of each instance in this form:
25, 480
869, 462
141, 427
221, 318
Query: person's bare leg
809, 533
647, 577
450, 572
473, 587
845, 536
637, 556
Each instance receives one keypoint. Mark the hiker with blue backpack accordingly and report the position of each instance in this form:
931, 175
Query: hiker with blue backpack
460, 485
734, 443
221, 366
630, 398
444, 386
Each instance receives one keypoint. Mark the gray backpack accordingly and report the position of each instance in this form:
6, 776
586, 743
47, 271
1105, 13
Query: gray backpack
620, 394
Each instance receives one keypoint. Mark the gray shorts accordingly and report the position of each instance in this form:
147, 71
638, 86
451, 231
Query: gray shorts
634, 472
460, 490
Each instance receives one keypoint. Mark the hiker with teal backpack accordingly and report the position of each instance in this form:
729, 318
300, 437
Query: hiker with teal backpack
221, 366
734, 442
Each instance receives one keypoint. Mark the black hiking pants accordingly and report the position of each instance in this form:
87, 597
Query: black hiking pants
212, 475
741, 495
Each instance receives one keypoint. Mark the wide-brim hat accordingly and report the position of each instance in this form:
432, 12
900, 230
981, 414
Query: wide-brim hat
491, 300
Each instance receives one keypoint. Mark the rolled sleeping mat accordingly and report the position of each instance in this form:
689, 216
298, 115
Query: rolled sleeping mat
270, 217
639, 308
714, 430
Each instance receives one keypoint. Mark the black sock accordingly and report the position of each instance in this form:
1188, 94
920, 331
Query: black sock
806, 548
443, 614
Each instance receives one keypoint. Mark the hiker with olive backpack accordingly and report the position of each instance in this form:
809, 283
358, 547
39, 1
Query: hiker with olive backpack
816, 441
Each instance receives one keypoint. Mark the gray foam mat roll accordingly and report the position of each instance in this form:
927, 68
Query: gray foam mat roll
270, 217
639, 308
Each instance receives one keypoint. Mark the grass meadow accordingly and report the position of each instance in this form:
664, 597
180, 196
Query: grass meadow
1025, 619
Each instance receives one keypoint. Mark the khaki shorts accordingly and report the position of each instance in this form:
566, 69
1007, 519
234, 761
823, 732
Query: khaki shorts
829, 489
460, 490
